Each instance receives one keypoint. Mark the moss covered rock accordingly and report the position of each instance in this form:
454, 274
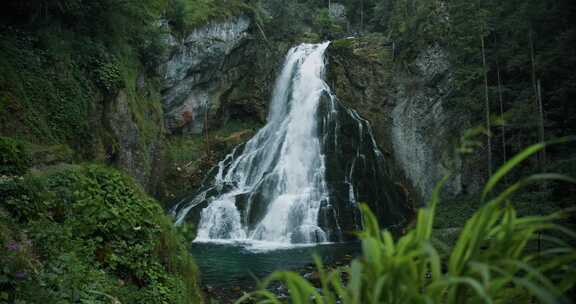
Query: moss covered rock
360, 73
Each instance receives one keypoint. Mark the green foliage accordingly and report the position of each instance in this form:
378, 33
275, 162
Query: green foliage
108, 77
51, 155
185, 15
14, 158
343, 44
192, 156
490, 262
382, 13
188, 150
326, 25
285, 21
94, 233
16, 257
62, 60
512, 32
49, 101
415, 25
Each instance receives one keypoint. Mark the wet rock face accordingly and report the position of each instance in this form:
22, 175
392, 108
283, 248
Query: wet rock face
357, 172
425, 129
358, 73
422, 126
412, 123
199, 71
205, 47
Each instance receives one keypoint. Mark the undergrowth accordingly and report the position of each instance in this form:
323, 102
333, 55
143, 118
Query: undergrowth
499, 257
88, 234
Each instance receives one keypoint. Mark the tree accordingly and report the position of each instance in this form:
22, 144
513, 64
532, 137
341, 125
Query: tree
487, 105
501, 108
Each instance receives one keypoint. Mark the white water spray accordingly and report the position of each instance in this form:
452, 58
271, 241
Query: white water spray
283, 163
298, 180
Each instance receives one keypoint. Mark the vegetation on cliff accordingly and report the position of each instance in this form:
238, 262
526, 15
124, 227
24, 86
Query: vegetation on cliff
185, 15
62, 60
191, 157
87, 233
511, 65
64, 64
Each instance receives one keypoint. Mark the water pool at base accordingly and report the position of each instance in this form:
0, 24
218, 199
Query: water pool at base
230, 265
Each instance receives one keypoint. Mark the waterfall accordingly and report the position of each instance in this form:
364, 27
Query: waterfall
278, 188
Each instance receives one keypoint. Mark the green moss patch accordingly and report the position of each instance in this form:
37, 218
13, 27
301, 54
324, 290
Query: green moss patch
190, 157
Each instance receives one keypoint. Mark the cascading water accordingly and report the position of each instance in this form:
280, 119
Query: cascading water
299, 178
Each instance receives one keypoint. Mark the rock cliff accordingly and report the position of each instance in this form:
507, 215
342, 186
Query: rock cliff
212, 74
408, 112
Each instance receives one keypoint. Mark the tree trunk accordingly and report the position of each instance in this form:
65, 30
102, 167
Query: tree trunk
538, 98
487, 105
361, 16
541, 129
532, 63
501, 102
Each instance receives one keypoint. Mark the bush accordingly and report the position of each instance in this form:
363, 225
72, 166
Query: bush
109, 78
490, 263
14, 159
96, 236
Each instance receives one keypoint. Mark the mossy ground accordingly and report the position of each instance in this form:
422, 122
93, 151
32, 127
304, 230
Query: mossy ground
190, 157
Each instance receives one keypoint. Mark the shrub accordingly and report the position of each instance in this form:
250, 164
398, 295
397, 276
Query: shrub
97, 236
109, 78
490, 263
14, 158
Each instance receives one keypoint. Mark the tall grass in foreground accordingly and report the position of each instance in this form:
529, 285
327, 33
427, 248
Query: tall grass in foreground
489, 263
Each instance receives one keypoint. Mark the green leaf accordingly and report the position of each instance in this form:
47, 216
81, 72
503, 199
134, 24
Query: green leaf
509, 165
